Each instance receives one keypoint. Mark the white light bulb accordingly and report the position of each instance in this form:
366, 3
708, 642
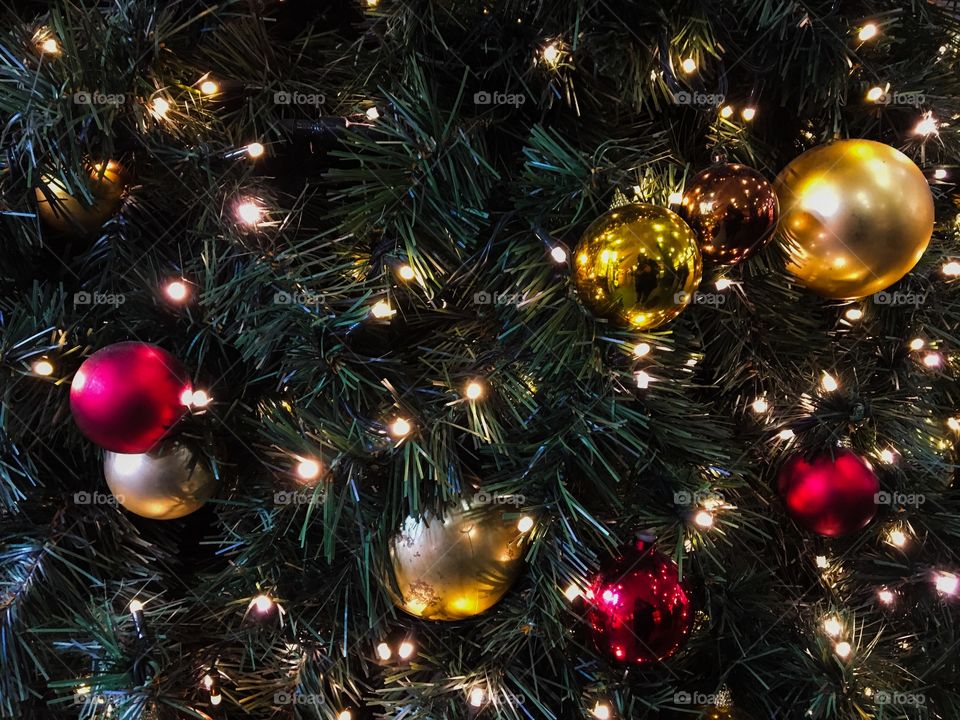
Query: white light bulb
726, 111
689, 65
308, 469
135, 606
885, 596
176, 290
723, 283
405, 650
748, 113
843, 649
954, 424
868, 32
199, 398
406, 272
160, 107
932, 360
787, 434
50, 46
209, 87
572, 592
947, 583
641, 349
249, 212
43, 367
372, 114
558, 254
760, 405
474, 390
854, 314
551, 54
601, 711
400, 428
262, 603
643, 379
525, 524
897, 538
875, 93
917, 344
927, 125
828, 382
822, 562
676, 198
940, 174
888, 456
952, 268
255, 149
703, 519
476, 697
381, 310
383, 651
832, 626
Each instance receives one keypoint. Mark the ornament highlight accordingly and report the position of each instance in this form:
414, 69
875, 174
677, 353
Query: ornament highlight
857, 215
164, 484
638, 608
733, 211
830, 496
69, 216
456, 567
127, 396
637, 265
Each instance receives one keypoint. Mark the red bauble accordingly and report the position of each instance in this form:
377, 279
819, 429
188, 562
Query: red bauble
638, 608
829, 495
126, 396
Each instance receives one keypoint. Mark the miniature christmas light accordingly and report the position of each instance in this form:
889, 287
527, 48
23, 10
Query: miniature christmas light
308, 469
917, 344
551, 54
726, 111
372, 114
383, 651
868, 32
951, 268
832, 626
525, 524
601, 711
209, 87
43, 367
843, 649
248, 212
641, 349
689, 66
474, 390
760, 405
558, 254
854, 314
572, 592
947, 583
406, 272
255, 149
405, 651
50, 46
875, 93
927, 125
748, 113
828, 382
897, 537
381, 310
400, 428
262, 604
476, 697
160, 107
703, 519
200, 399
176, 291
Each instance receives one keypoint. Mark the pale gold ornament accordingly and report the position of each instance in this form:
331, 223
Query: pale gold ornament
68, 216
856, 216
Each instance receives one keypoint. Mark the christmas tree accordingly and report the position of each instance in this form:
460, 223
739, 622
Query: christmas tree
406, 359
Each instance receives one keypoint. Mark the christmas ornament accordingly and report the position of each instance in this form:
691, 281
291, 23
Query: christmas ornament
459, 566
732, 210
126, 396
829, 495
70, 216
637, 265
857, 216
163, 484
638, 608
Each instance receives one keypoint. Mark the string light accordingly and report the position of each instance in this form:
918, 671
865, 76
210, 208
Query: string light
787, 434
601, 711
947, 583
160, 107
572, 592
372, 3
723, 283
176, 290
525, 524
558, 254
383, 651
346, 714
255, 149
262, 604
954, 424
381, 310
406, 272
552, 54
940, 174
843, 649
210, 683
372, 114
643, 379
832, 626
308, 469
400, 428
868, 32
641, 349
726, 111
951, 268
897, 537
927, 126
888, 456
875, 93
474, 390
50, 46
886, 596
43, 367
200, 399
748, 113
209, 87
135, 606
854, 314
689, 66
248, 212
932, 359
917, 344
828, 382
405, 651
822, 562
760, 405
703, 519
476, 696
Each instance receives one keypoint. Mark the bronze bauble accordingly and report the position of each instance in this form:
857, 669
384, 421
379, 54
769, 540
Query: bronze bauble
163, 484
459, 566
71, 217
637, 265
856, 216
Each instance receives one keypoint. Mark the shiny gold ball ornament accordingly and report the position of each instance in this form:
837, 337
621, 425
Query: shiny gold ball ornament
163, 484
456, 567
72, 217
856, 216
637, 265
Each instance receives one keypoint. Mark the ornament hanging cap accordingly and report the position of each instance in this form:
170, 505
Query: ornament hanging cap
619, 199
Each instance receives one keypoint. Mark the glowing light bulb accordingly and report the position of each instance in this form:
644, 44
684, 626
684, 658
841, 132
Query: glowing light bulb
199, 398
160, 107
601, 711
474, 390
405, 650
843, 649
572, 592
748, 113
381, 310
372, 3
249, 212
885, 596
828, 382
927, 126
932, 360
875, 93
525, 524
888, 456
917, 344
643, 379
675, 198
43, 367
372, 114
832, 627
723, 283
308, 469
854, 314
641, 349
689, 65
868, 32
383, 651
406, 272
897, 538
952, 268
176, 290
940, 174
262, 604
216, 698
947, 583
551, 54
476, 697
954, 424
760, 405
558, 254
255, 149
822, 562
346, 714
135, 606
787, 434
50, 46
209, 87
726, 111
400, 428
703, 519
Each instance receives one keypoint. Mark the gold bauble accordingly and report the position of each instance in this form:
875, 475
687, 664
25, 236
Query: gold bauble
162, 484
456, 567
70, 216
856, 216
637, 265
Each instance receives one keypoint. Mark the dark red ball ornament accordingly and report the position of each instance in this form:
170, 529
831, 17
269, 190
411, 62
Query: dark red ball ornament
126, 396
830, 496
638, 608
733, 211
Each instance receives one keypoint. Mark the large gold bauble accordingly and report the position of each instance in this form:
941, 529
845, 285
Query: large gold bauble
162, 484
67, 215
637, 265
856, 216
456, 567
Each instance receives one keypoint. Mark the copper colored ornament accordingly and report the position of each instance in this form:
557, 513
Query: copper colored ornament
637, 265
163, 484
126, 396
733, 211
69, 215
830, 496
459, 566
638, 608
856, 217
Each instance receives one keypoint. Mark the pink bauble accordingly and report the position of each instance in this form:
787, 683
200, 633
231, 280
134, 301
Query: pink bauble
829, 495
126, 396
